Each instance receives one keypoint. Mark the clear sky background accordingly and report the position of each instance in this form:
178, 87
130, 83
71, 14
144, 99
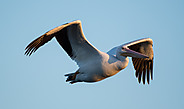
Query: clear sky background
38, 82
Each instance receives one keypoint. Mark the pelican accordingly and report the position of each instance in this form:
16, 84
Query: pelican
95, 65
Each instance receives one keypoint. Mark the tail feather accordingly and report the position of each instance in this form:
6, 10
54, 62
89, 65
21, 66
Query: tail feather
69, 74
71, 77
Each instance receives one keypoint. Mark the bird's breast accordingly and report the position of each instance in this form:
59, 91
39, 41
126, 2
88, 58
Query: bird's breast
102, 68
111, 65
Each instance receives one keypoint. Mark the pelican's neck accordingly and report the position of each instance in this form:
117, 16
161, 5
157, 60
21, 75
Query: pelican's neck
123, 61
120, 57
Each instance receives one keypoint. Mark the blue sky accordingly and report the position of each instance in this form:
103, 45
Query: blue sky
38, 82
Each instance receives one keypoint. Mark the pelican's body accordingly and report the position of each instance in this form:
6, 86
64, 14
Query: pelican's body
101, 67
95, 65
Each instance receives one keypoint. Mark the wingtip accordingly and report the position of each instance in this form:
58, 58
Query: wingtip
148, 82
139, 80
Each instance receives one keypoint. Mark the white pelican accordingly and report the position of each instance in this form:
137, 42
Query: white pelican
95, 65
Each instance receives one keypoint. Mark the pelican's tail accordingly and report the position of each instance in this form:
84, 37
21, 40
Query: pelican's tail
71, 77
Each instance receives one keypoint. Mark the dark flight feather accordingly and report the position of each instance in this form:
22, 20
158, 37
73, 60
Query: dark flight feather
143, 66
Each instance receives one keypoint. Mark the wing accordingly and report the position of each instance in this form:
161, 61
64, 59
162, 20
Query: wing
143, 66
71, 38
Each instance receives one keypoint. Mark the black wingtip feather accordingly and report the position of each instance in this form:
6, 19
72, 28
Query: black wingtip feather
151, 67
35, 44
148, 69
144, 72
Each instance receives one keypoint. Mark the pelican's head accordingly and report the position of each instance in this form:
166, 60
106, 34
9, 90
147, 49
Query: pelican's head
125, 51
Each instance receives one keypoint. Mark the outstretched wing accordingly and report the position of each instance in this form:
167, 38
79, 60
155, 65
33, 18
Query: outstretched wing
71, 38
143, 66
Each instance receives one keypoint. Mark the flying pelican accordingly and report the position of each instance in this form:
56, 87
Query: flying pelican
95, 65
